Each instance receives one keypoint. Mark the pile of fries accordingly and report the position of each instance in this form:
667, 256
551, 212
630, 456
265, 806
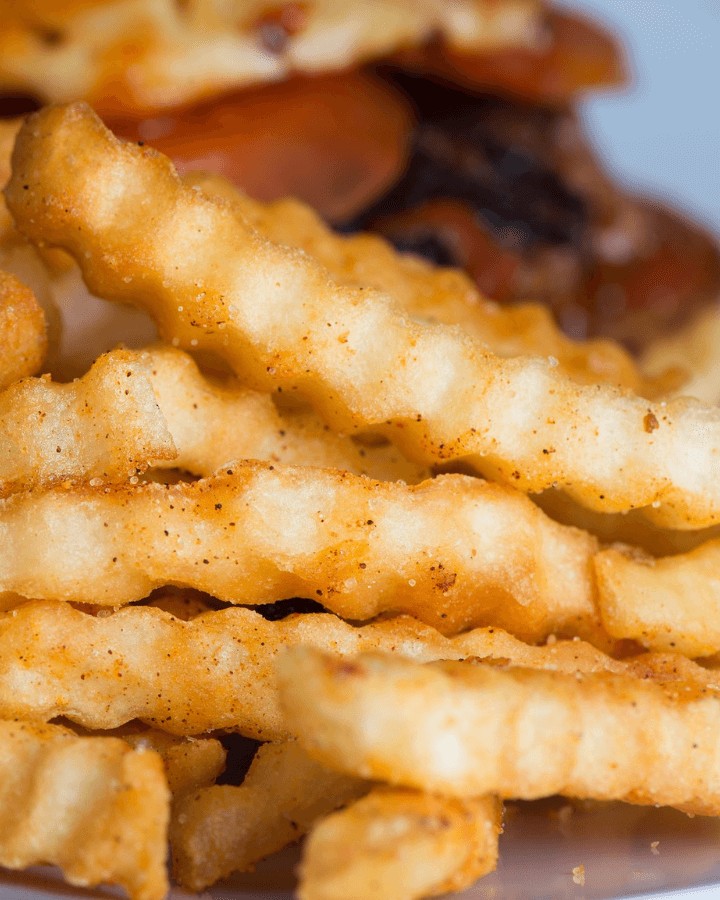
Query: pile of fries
325, 419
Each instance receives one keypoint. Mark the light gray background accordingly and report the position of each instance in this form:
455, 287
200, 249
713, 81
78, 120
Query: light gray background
663, 134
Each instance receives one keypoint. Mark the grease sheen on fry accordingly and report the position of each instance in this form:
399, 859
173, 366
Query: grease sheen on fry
276, 317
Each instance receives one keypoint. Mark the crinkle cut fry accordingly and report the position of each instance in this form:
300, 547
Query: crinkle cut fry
213, 421
23, 330
402, 844
429, 292
105, 425
464, 729
453, 551
671, 603
90, 805
217, 671
154, 408
274, 315
190, 763
283, 794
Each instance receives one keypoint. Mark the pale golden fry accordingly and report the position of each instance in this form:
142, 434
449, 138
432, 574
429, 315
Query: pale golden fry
665, 604
468, 730
453, 551
428, 292
695, 348
133, 55
217, 671
90, 805
632, 527
214, 421
107, 425
223, 829
22, 331
8, 132
275, 316
190, 763
398, 844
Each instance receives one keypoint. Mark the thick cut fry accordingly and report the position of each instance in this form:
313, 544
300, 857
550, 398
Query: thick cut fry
665, 604
223, 829
133, 56
401, 845
468, 730
90, 805
217, 671
274, 315
22, 331
214, 421
453, 551
428, 292
106, 425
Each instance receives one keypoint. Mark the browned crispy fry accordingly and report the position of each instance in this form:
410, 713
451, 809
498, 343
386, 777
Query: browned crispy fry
666, 604
453, 551
223, 829
214, 421
398, 844
277, 318
90, 805
106, 425
428, 292
467, 730
216, 671
22, 331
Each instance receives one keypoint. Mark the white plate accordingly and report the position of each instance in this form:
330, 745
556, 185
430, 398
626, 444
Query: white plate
626, 852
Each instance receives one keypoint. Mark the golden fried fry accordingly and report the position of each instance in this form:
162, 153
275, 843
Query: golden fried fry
131, 56
666, 604
695, 348
90, 805
223, 829
106, 425
216, 671
436, 294
214, 421
397, 844
467, 730
190, 763
8, 132
453, 551
181, 603
22, 330
276, 317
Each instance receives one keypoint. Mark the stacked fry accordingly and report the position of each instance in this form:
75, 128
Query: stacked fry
301, 430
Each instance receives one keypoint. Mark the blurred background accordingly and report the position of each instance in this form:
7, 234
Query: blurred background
663, 133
